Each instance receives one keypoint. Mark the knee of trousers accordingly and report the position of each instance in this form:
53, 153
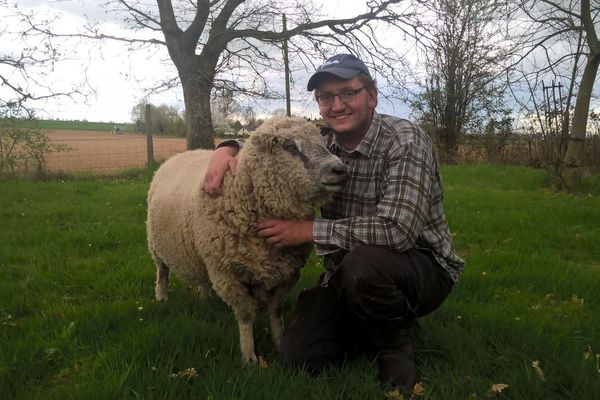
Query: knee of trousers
312, 359
367, 290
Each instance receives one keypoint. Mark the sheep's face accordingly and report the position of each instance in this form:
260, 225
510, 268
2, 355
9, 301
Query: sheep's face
298, 164
320, 163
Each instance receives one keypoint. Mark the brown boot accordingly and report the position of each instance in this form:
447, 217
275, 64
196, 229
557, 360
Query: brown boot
396, 361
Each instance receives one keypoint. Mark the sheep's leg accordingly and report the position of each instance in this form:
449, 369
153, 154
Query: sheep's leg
161, 290
244, 306
275, 300
275, 307
247, 340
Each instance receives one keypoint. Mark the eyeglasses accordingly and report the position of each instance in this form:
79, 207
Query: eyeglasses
345, 96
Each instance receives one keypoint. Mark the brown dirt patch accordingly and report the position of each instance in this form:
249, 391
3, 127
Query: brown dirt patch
105, 153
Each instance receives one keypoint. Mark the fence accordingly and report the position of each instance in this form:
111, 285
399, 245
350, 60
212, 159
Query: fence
106, 153
527, 150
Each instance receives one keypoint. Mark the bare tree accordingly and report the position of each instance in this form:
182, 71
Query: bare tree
546, 105
225, 104
557, 30
23, 71
236, 44
463, 59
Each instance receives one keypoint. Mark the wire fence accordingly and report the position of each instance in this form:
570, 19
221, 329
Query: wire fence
106, 153
524, 150
103, 153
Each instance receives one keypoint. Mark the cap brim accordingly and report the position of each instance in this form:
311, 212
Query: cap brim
342, 73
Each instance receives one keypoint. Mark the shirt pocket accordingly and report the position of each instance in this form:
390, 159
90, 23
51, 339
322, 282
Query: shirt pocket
368, 191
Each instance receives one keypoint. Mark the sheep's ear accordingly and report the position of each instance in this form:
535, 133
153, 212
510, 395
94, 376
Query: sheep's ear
271, 142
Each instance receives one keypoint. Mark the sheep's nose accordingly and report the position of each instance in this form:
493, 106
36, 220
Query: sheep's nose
339, 169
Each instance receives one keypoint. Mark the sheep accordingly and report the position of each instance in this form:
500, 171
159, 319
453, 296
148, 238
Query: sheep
283, 172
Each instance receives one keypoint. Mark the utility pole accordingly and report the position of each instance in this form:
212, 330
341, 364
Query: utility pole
288, 107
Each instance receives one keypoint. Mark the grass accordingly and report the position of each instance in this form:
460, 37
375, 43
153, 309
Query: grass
76, 125
78, 320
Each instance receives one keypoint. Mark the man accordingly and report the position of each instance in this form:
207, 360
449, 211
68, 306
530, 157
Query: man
387, 248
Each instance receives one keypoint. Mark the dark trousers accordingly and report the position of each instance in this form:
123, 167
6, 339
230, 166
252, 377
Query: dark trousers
375, 291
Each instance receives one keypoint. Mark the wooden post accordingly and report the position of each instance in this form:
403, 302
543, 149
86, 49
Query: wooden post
286, 62
149, 143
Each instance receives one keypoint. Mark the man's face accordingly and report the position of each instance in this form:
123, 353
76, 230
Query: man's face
351, 116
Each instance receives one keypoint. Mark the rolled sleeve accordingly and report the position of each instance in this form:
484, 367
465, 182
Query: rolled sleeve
323, 235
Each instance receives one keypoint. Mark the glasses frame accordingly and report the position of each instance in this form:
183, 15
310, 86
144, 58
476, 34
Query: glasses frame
345, 96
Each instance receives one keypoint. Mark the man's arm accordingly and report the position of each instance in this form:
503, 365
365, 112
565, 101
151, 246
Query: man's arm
222, 160
282, 233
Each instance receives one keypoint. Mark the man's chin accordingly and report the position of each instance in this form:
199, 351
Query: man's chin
342, 126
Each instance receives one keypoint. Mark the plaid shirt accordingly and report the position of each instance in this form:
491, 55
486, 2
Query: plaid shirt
393, 197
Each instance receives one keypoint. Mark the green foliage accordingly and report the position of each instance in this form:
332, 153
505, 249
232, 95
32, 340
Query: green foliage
78, 319
23, 148
164, 119
71, 125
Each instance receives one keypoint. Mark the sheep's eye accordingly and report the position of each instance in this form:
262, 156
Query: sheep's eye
290, 147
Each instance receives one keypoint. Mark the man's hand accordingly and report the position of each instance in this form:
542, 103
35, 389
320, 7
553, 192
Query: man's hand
221, 161
281, 233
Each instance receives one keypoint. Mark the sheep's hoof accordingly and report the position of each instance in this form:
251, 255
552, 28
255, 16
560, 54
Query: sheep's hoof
250, 360
161, 297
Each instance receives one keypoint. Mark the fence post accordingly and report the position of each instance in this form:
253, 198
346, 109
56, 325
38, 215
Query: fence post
149, 143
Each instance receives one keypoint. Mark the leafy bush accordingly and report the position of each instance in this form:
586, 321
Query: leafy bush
23, 149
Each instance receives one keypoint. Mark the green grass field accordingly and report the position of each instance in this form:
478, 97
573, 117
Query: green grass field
76, 125
78, 319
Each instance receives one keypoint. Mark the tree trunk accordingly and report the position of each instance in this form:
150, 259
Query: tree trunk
196, 94
574, 167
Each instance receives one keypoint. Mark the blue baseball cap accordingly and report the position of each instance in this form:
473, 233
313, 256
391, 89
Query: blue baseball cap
344, 66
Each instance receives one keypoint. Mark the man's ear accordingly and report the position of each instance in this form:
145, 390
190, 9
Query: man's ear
372, 91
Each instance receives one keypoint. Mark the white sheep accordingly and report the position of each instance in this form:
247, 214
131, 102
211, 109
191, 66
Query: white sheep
283, 172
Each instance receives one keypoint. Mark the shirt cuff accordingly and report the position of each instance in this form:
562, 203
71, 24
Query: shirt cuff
323, 235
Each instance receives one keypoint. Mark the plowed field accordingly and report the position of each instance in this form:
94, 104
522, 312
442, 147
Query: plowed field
105, 153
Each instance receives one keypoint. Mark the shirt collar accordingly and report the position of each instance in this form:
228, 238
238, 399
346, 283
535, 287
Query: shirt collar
367, 144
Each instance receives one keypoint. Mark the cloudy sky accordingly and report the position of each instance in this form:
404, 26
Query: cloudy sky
114, 78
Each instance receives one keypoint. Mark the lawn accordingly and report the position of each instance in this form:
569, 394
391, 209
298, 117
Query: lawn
78, 319
77, 125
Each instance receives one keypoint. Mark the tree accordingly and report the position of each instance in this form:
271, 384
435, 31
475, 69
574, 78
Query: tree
566, 25
574, 165
225, 104
463, 55
23, 72
223, 34
164, 119
236, 44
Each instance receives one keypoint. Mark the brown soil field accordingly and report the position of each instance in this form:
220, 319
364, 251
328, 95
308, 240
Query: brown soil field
105, 153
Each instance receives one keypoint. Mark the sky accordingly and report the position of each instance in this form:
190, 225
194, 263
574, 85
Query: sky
114, 78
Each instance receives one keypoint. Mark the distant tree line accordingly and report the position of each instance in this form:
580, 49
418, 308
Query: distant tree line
164, 119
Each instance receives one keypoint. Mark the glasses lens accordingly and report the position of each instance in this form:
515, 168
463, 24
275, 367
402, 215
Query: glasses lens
325, 100
345, 96
348, 95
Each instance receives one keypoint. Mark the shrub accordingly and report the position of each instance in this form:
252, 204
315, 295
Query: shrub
23, 149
